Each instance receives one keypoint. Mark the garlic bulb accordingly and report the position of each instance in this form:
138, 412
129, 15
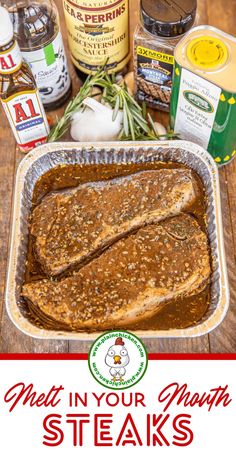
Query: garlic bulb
160, 130
95, 123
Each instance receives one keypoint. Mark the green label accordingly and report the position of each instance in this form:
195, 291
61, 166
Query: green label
198, 101
49, 54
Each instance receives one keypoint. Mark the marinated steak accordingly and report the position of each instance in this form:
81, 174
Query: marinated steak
130, 281
69, 227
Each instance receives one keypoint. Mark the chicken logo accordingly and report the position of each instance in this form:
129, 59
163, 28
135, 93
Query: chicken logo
117, 359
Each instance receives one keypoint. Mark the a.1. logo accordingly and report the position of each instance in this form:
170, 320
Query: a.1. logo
118, 359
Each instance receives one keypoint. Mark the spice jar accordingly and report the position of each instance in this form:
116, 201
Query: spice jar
163, 24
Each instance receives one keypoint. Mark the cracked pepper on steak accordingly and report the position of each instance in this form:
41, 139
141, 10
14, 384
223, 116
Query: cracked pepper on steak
71, 226
131, 280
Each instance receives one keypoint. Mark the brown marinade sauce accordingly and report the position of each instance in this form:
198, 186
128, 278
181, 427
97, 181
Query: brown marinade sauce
178, 313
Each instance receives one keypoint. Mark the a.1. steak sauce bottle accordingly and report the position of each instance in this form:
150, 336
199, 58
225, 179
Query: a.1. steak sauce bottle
18, 91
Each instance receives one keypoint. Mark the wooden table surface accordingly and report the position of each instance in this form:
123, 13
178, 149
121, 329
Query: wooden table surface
221, 14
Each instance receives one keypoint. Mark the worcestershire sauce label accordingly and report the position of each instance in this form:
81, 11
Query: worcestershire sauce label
97, 31
154, 76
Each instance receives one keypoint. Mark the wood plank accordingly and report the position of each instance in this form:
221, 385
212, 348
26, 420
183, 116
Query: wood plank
231, 186
11, 339
223, 339
221, 14
7, 165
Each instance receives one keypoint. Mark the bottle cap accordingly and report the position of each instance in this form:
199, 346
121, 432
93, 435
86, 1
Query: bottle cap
207, 53
6, 28
168, 18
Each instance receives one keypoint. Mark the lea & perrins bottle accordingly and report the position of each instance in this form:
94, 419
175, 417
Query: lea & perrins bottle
98, 32
18, 91
37, 31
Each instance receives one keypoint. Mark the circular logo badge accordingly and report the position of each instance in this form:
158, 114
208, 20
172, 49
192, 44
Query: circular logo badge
118, 359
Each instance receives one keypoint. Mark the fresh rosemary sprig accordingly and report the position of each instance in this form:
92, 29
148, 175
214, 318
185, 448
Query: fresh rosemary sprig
116, 94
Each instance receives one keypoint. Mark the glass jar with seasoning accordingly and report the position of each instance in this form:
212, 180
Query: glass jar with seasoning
163, 24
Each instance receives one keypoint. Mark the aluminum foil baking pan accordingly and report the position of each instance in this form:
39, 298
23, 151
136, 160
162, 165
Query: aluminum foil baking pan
37, 162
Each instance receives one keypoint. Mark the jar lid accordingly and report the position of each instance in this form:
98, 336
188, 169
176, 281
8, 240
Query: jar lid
168, 18
207, 53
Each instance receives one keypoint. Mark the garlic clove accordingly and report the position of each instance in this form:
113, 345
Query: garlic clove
97, 106
119, 78
160, 130
97, 93
129, 80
